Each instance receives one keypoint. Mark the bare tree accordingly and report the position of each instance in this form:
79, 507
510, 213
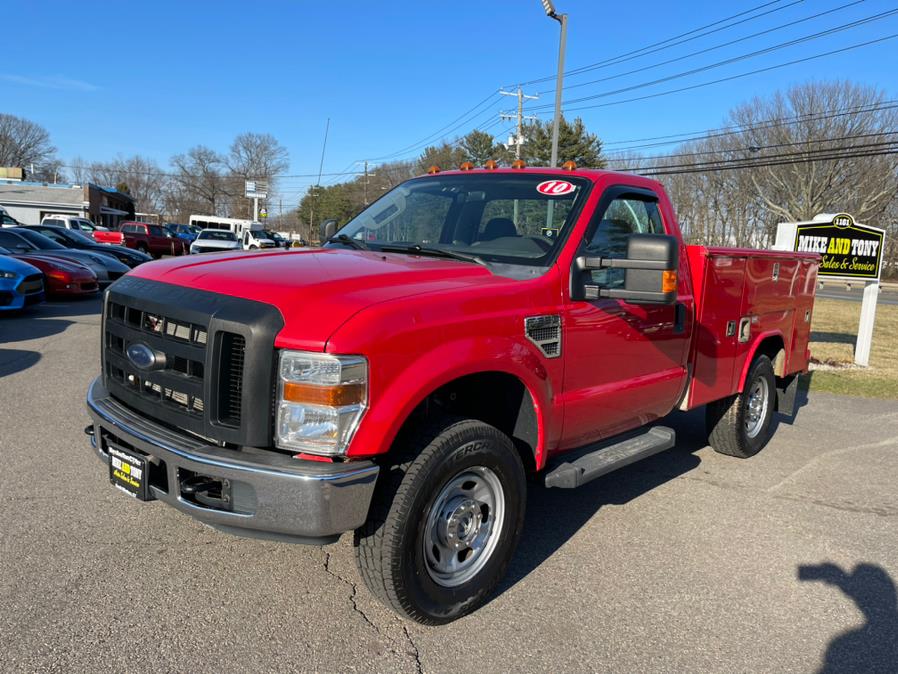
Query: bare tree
200, 182
863, 186
254, 156
139, 176
24, 143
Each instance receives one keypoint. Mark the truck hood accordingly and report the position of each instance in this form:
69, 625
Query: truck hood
317, 290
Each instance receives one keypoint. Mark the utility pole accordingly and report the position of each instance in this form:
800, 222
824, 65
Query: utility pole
519, 140
519, 137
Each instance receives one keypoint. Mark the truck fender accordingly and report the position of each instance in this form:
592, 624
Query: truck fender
438, 367
774, 355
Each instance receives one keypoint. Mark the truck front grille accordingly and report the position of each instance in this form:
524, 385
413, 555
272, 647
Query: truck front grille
202, 362
233, 351
178, 380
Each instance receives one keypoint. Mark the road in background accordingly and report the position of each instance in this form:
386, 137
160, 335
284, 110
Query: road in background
838, 291
689, 561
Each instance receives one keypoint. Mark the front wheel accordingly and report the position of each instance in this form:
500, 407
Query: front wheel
740, 425
445, 523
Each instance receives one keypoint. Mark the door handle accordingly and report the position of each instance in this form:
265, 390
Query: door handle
680, 317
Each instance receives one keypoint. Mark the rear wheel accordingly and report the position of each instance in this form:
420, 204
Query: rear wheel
444, 523
740, 425
143, 248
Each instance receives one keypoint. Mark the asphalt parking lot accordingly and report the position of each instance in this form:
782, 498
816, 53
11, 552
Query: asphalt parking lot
690, 561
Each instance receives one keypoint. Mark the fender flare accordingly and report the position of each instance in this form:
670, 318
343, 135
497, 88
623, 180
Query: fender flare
399, 397
760, 339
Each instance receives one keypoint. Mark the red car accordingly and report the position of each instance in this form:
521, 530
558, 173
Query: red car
152, 239
62, 278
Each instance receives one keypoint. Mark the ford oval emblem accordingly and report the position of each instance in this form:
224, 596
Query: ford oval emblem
142, 357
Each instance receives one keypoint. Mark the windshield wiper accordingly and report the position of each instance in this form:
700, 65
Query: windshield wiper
348, 240
435, 252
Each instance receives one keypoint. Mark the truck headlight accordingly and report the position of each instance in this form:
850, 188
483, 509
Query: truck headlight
321, 399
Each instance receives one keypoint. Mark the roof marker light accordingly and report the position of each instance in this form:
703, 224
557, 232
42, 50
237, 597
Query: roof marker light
433, 169
569, 165
466, 166
491, 165
518, 164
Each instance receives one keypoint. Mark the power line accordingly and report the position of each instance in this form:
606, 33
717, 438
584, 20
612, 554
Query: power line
437, 134
758, 148
734, 59
771, 123
864, 149
709, 49
735, 77
663, 44
785, 162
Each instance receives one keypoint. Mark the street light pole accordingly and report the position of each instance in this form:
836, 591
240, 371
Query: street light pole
562, 19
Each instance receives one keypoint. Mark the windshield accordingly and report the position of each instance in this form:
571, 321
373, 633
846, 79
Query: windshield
39, 240
77, 235
7, 220
85, 225
217, 235
516, 219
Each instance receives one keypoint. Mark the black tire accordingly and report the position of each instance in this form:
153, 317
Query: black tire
390, 549
143, 249
254, 247
730, 419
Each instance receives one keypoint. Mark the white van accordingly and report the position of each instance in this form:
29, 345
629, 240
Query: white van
252, 235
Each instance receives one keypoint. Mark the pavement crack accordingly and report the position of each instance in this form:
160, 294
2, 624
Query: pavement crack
353, 593
825, 455
415, 652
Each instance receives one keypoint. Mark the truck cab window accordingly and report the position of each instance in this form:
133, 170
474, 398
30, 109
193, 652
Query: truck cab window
623, 217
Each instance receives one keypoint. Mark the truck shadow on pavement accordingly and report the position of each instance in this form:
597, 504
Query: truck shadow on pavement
873, 647
16, 360
554, 516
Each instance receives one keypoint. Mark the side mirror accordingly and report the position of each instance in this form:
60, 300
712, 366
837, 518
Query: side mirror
328, 229
650, 275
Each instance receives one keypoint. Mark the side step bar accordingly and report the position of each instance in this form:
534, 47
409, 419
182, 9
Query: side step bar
607, 459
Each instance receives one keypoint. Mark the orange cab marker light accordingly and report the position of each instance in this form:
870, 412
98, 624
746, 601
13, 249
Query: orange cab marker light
569, 165
518, 164
466, 166
433, 169
490, 164
669, 281
332, 396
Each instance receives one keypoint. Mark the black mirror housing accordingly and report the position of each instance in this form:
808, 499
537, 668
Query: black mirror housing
650, 272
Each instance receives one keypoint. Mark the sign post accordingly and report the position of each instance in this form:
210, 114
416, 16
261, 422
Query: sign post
850, 252
255, 190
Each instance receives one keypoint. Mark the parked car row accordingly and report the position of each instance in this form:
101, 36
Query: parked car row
37, 261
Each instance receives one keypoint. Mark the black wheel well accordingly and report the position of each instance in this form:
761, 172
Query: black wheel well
775, 349
497, 398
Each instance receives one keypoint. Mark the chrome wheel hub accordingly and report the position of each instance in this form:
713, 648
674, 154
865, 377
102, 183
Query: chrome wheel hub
463, 525
756, 407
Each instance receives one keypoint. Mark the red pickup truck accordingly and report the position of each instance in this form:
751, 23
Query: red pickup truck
467, 329
151, 239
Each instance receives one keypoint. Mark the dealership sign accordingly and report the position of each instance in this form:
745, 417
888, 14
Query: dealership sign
848, 250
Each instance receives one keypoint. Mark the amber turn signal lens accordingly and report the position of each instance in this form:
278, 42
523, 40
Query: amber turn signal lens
466, 166
669, 281
331, 396
518, 164
433, 169
490, 164
569, 165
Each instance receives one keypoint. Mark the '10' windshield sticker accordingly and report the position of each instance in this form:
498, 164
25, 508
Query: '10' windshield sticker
555, 188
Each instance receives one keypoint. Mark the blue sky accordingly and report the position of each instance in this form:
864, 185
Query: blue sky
155, 78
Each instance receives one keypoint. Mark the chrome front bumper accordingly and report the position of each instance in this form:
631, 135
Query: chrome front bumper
271, 495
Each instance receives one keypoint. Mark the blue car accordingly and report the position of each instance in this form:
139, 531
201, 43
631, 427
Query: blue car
21, 284
185, 232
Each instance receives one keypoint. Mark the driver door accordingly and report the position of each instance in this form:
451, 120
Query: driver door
625, 363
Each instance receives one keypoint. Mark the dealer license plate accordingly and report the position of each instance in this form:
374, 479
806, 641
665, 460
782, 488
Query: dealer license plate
128, 472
